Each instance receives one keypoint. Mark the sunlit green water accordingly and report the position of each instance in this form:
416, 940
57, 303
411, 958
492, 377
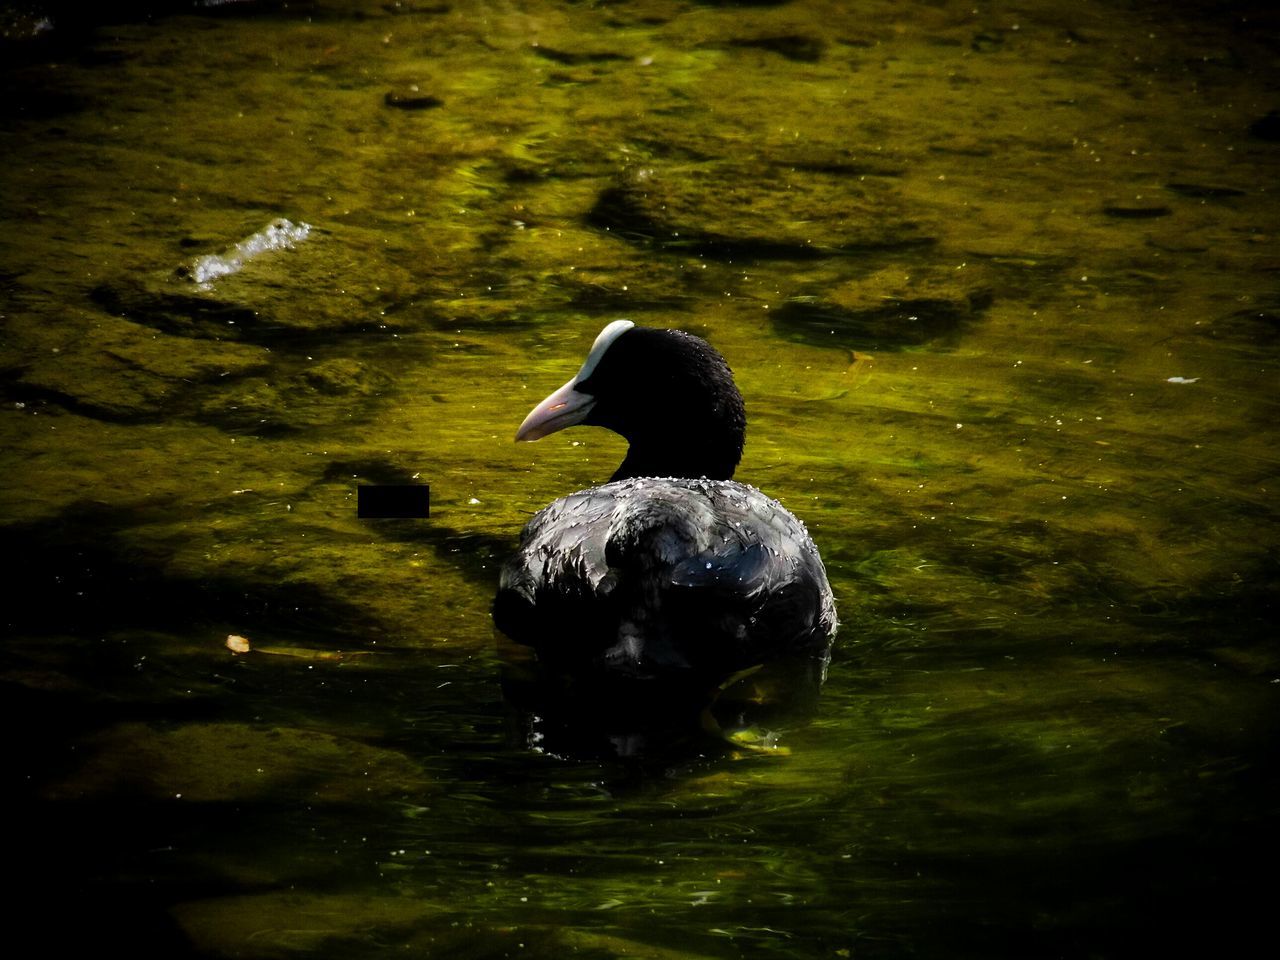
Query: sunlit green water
1001, 289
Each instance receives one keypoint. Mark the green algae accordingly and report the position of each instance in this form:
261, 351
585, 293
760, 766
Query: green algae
204, 763
1000, 289
294, 924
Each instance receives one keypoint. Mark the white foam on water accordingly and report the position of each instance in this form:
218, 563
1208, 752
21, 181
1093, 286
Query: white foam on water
280, 234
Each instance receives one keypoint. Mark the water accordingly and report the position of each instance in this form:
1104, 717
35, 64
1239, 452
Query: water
1000, 288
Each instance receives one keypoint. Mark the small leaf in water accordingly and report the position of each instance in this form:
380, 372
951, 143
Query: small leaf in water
237, 644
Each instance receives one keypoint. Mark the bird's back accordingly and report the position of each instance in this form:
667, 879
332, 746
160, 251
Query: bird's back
652, 577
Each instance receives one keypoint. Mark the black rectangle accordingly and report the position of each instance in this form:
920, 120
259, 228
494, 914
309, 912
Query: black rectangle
403, 501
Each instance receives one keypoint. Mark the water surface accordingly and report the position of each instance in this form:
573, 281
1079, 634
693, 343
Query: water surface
1000, 286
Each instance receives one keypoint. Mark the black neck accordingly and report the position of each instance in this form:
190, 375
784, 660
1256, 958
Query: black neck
715, 459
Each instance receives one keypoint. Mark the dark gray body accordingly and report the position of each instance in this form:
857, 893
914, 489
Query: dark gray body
651, 578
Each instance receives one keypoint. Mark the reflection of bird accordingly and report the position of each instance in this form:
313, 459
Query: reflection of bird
672, 570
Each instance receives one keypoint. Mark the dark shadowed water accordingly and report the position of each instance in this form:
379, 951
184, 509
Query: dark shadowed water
1001, 286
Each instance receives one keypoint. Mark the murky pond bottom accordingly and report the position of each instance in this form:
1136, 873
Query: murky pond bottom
1001, 290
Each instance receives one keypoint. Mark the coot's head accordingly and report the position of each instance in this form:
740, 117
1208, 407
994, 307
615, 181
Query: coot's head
668, 392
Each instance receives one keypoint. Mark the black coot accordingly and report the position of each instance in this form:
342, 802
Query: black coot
672, 570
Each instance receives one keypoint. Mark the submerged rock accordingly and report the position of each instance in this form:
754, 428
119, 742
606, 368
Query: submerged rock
729, 211
324, 393
889, 310
226, 762
288, 923
796, 47
177, 311
1257, 324
268, 287
112, 369
164, 351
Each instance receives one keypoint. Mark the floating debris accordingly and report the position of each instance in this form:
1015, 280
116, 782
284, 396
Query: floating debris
237, 644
